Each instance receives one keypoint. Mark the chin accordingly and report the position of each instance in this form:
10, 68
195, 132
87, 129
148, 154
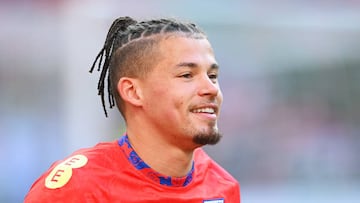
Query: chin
207, 138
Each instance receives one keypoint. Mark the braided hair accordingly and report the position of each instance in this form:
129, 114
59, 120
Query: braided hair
127, 46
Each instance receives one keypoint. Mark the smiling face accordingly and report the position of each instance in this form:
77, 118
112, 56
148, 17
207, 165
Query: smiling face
182, 97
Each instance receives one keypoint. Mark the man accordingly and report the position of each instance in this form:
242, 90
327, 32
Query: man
163, 77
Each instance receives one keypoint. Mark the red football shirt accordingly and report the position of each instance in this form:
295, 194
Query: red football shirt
113, 172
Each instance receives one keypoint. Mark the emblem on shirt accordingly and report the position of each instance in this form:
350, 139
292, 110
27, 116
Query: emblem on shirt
219, 200
62, 173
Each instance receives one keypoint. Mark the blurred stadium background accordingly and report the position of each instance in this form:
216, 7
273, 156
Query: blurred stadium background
289, 72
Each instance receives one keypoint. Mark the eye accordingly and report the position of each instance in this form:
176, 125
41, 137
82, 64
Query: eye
186, 75
213, 76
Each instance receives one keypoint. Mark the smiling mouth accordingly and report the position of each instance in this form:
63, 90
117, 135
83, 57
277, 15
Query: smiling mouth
208, 110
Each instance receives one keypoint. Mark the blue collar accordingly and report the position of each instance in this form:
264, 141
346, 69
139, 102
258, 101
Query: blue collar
140, 165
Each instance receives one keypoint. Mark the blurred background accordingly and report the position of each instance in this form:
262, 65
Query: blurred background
290, 77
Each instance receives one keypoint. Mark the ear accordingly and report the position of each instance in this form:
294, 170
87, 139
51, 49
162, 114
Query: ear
130, 91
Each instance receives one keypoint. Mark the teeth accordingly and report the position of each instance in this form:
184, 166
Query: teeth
204, 110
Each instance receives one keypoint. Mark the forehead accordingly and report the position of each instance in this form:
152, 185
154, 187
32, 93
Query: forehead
180, 47
183, 37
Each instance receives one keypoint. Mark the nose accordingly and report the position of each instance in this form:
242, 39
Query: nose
208, 87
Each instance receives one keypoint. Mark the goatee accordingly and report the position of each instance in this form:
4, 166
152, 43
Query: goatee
210, 138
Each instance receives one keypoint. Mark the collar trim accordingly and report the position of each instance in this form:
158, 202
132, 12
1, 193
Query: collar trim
141, 166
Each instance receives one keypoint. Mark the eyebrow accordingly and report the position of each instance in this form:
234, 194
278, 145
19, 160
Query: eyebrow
213, 66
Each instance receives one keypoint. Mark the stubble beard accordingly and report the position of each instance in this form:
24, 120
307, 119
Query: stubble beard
210, 137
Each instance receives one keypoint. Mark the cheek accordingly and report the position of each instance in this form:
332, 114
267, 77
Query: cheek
180, 104
220, 97
166, 98
171, 104
219, 100
158, 97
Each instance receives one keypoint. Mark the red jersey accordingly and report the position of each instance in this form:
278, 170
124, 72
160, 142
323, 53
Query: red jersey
113, 172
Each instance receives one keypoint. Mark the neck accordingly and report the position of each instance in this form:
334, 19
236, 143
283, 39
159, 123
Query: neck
157, 153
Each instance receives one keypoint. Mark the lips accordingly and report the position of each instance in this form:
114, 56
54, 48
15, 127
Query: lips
208, 108
204, 110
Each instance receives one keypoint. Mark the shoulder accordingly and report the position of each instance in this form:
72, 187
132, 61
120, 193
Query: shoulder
74, 176
209, 169
214, 178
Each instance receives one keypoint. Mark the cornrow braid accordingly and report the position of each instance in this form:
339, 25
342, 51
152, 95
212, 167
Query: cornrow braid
122, 32
119, 24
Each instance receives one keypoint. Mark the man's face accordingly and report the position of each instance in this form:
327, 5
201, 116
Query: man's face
182, 94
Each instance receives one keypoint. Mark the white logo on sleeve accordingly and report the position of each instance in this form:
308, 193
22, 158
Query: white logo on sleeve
220, 200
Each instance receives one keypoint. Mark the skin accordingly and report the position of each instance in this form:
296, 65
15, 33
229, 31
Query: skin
162, 108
